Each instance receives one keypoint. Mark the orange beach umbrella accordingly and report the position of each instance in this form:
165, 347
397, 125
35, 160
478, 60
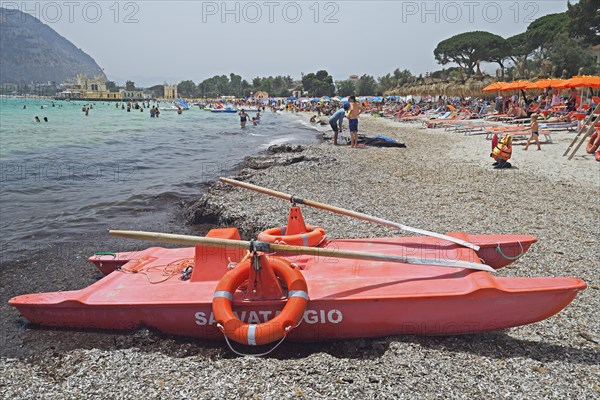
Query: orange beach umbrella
494, 87
581, 81
516, 85
546, 83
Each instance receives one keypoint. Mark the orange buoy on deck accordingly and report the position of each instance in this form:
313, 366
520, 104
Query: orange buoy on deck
268, 331
295, 233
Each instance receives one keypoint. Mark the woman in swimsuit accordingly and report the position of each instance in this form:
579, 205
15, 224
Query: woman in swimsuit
243, 118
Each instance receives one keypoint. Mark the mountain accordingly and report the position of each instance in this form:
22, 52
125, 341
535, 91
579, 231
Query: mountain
32, 51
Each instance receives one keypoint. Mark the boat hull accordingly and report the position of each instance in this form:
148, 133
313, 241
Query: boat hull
347, 298
482, 310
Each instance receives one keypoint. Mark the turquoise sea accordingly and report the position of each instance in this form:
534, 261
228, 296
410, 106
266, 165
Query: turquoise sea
77, 175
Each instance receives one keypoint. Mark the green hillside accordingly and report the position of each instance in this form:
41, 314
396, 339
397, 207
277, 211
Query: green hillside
32, 51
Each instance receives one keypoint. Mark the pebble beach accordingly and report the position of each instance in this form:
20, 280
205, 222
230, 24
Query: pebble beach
442, 181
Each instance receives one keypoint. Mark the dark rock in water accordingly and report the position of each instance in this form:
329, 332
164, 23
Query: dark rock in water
285, 148
202, 212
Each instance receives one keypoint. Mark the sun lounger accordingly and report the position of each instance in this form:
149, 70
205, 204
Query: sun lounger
560, 126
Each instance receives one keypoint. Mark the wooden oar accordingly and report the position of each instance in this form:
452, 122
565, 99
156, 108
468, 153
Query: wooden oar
279, 248
350, 213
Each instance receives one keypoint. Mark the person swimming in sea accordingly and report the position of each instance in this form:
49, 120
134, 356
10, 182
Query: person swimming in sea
37, 119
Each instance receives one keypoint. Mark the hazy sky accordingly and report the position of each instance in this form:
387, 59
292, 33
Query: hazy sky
153, 41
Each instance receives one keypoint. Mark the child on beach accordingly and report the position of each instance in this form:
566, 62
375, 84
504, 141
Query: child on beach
534, 132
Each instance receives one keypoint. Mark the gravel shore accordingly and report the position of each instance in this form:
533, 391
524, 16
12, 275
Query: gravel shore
441, 182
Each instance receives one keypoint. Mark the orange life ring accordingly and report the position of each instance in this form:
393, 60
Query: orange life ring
266, 332
593, 143
313, 237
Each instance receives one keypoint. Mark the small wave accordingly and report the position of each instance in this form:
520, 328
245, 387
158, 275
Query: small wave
231, 133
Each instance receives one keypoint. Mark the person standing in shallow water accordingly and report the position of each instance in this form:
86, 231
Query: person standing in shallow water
355, 110
243, 118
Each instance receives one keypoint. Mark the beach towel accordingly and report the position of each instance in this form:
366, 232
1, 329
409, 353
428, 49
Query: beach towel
379, 141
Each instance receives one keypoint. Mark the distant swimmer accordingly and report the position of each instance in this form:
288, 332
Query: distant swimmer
37, 119
254, 121
24, 107
45, 119
179, 110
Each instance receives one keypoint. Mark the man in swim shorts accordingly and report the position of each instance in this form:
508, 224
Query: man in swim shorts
355, 110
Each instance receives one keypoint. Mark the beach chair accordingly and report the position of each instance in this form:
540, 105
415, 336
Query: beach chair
560, 126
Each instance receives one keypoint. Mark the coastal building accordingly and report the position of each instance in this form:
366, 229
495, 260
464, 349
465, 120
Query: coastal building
88, 88
261, 95
8, 88
353, 78
132, 94
170, 92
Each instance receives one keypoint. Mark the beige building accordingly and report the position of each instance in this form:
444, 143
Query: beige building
89, 88
261, 95
170, 92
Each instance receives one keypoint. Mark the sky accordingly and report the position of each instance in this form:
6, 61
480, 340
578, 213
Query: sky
156, 41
